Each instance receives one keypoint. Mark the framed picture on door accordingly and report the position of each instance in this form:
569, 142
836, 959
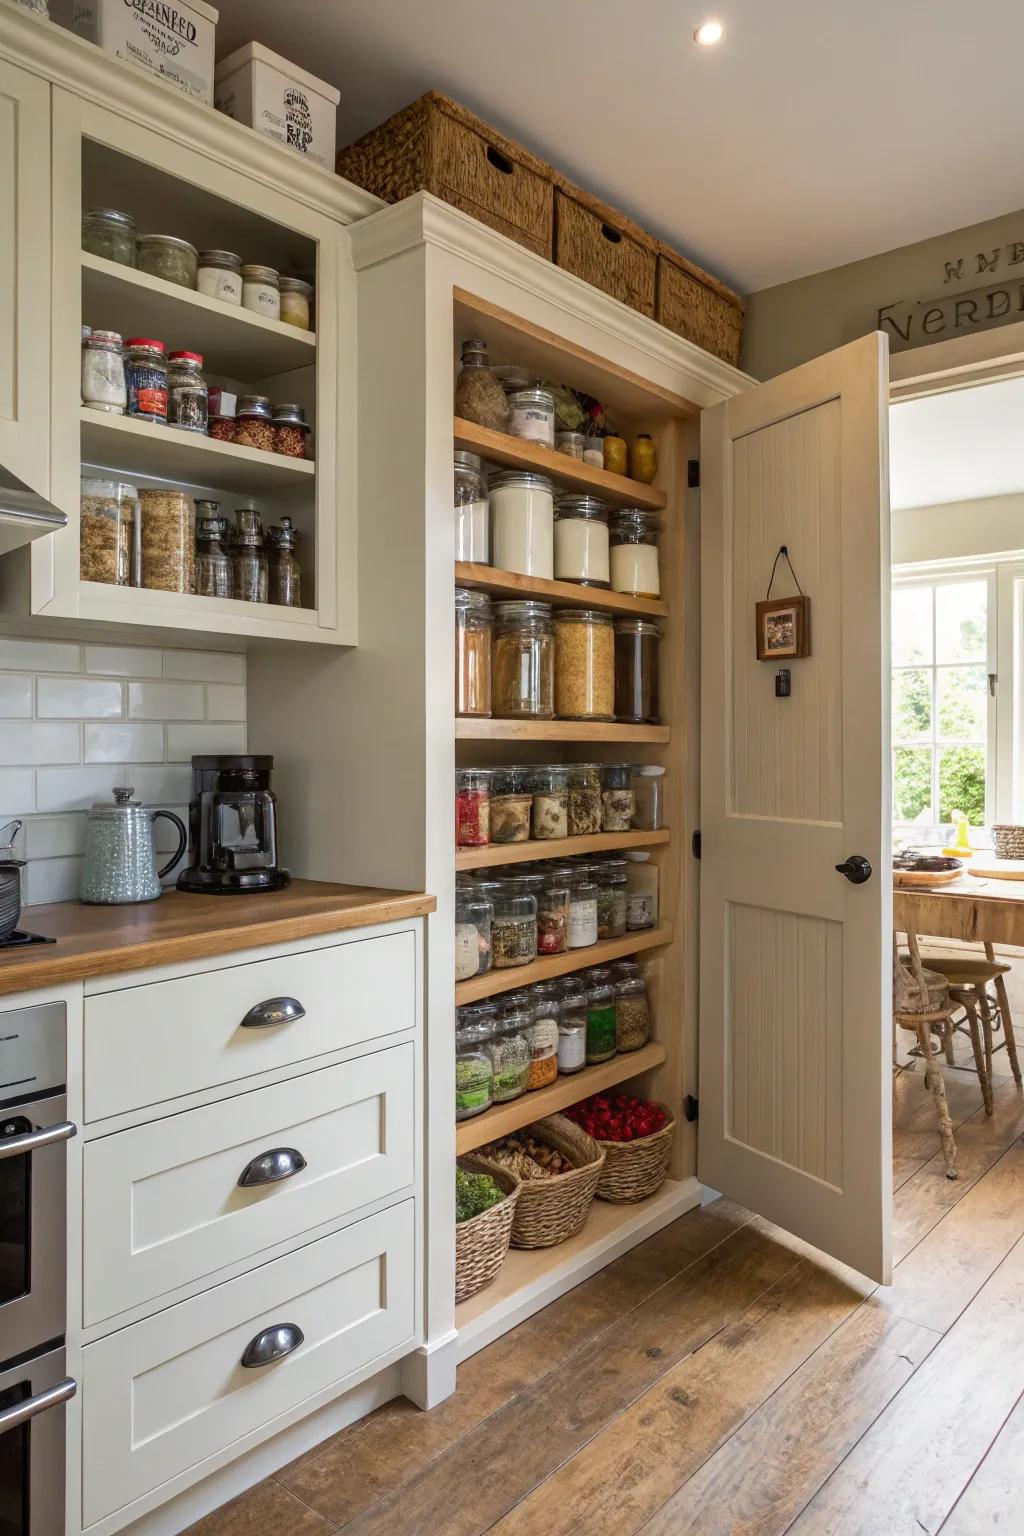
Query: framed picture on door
783, 628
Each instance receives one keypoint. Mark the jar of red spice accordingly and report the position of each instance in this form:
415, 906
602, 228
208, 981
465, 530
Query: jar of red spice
223, 428
255, 423
472, 807
290, 431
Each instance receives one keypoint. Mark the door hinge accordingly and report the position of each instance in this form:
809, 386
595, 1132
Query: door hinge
693, 474
695, 845
691, 1108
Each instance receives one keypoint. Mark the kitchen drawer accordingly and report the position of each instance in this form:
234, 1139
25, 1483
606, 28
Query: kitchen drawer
145, 1045
164, 1395
163, 1206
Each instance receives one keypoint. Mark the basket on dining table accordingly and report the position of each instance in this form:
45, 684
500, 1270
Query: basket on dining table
1008, 840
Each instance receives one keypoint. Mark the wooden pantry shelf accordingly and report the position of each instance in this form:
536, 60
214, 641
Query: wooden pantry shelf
234, 341
566, 594
502, 1119
556, 848
559, 730
550, 966
166, 453
518, 453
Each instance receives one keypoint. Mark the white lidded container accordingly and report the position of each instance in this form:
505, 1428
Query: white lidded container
260, 88
172, 38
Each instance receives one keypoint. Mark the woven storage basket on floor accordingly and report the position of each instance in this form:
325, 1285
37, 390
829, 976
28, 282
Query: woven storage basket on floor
481, 1243
635, 1169
603, 247
697, 306
550, 1210
1008, 840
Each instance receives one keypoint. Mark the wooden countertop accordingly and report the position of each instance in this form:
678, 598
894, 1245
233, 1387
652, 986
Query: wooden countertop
103, 941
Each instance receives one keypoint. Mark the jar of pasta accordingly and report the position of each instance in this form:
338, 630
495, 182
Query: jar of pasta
472, 652
634, 552
106, 525
523, 682
167, 540
581, 541
584, 664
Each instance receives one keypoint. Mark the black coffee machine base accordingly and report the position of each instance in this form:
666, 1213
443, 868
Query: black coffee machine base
224, 883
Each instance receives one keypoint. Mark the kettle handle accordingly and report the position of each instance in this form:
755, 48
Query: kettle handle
182, 841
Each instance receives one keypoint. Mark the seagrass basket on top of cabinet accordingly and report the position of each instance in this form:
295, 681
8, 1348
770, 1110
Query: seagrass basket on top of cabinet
697, 306
597, 243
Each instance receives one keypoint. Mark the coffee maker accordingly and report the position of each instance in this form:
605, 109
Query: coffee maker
233, 828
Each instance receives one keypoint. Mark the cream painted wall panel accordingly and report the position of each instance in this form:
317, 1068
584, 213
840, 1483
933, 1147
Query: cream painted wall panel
24, 276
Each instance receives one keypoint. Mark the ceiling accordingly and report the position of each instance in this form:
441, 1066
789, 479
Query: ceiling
818, 132
958, 446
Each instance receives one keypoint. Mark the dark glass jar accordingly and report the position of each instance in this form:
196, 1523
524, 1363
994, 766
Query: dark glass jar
636, 671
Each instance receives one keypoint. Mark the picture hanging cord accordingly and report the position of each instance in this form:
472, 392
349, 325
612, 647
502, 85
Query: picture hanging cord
782, 551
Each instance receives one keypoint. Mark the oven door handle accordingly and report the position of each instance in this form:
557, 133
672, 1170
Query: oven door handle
32, 1141
41, 1403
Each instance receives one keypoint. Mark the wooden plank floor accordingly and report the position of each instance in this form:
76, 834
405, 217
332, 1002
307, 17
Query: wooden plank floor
722, 1379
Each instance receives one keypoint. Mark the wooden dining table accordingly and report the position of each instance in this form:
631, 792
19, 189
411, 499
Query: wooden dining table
973, 909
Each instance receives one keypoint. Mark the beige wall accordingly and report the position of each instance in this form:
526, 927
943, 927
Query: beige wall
958, 529
795, 321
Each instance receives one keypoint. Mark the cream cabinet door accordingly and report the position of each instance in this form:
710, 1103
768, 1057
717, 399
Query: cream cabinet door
25, 276
795, 970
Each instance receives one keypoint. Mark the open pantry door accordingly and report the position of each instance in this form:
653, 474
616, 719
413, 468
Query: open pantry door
795, 952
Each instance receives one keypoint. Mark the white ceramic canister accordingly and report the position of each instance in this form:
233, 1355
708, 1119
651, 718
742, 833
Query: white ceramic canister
522, 523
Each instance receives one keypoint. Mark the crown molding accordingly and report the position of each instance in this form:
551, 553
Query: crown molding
76, 65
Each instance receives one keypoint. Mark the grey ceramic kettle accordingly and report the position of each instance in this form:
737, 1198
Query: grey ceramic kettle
120, 854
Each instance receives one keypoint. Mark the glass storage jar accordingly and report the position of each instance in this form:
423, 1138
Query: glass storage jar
584, 799
641, 892
261, 291
295, 296
571, 444
511, 804
532, 415
581, 541
648, 784
145, 375
103, 380
479, 396
572, 1025
167, 539
510, 1053
165, 256
219, 276
255, 425
550, 813
106, 527
214, 577
581, 928
284, 574
223, 429
472, 531
109, 233
600, 1016
618, 801
473, 913
250, 568
187, 394
593, 452
610, 878
634, 552
522, 523
552, 919
474, 1071
636, 671
584, 664
523, 657
542, 1037
472, 652
514, 927
632, 1007
291, 431
472, 807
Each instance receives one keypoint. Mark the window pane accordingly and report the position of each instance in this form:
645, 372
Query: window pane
912, 705
961, 621
962, 784
962, 703
912, 784
911, 625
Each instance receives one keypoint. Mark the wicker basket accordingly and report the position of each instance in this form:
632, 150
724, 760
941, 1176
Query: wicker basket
481, 1243
697, 306
549, 1211
635, 1169
603, 247
1008, 840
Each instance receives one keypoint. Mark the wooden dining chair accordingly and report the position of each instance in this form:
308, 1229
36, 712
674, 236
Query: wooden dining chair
922, 1004
979, 985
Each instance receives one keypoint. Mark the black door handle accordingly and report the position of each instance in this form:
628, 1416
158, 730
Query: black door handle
856, 868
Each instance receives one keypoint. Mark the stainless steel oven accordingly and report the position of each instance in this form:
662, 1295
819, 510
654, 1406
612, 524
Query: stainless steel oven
32, 1445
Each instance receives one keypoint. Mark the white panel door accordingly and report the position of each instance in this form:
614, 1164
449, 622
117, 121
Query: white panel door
795, 1011
25, 276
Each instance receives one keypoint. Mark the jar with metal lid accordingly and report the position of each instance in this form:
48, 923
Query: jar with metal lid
581, 540
167, 539
634, 552
479, 396
103, 380
511, 804
165, 256
641, 892
145, 373
214, 577
510, 1054
550, 813
219, 276
584, 799
647, 781
295, 296
472, 807
533, 415
284, 575
472, 532
600, 1016
472, 652
522, 522
250, 571
474, 1071
514, 927
542, 1037
572, 1025
571, 444
581, 927
291, 431
523, 661
106, 523
473, 914
636, 671
109, 233
255, 423
261, 291
618, 801
610, 878
552, 919
187, 394
632, 1007
584, 664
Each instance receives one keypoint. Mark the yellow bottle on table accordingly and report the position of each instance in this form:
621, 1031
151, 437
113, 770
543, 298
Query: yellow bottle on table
960, 846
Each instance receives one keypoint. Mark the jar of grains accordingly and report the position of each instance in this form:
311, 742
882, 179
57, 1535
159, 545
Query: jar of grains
647, 781
219, 276
593, 452
641, 892
571, 444
618, 802
187, 395
167, 537
584, 664
479, 396
167, 257
145, 373
472, 807
103, 381
610, 877
511, 804
474, 1072
584, 799
213, 563
522, 523
600, 1016
106, 529
284, 575
550, 816
533, 415
572, 1026
472, 534
290, 431
581, 929
295, 296
552, 919
472, 652
523, 661
632, 1007
250, 568
255, 423
581, 540
634, 552
636, 670
261, 291
510, 1053
542, 1037
473, 913
109, 233
514, 928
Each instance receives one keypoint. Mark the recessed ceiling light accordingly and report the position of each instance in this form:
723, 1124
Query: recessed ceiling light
709, 33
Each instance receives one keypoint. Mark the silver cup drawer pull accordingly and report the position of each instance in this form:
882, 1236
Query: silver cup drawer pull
276, 1010
272, 1344
271, 1167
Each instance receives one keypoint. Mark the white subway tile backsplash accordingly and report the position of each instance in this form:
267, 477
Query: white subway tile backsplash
165, 701
39, 655
78, 698
17, 792
122, 743
183, 740
25, 744
75, 789
53, 880
205, 666
55, 837
168, 785
15, 696
123, 661
225, 701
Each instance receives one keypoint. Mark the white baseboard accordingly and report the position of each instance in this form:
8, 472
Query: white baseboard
428, 1374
